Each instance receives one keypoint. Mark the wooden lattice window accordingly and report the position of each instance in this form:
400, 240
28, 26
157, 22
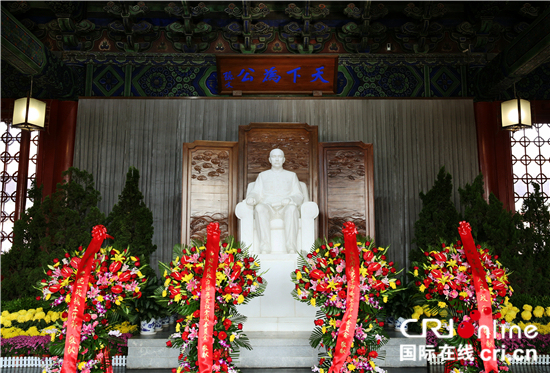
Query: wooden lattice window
531, 161
9, 154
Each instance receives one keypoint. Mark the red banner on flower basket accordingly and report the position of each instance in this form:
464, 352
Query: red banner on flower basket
208, 298
349, 321
78, 300
484, 301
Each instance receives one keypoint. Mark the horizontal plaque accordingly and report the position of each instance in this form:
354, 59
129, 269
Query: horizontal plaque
277, 74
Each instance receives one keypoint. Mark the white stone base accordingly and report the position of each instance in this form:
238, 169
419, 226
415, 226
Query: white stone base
277, 310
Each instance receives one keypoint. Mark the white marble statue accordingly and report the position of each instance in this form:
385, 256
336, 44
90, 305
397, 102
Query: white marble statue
277, 195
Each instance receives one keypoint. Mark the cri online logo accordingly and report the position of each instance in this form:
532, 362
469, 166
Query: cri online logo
466, 329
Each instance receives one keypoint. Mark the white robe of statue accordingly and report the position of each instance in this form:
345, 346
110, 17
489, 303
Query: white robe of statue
277, 194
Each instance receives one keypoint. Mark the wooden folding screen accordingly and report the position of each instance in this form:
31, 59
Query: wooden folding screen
209, 188
297, 140
346, 187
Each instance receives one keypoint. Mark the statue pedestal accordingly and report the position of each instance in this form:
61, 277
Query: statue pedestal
277, 310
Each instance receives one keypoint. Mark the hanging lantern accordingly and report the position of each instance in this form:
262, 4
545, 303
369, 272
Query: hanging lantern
28, 113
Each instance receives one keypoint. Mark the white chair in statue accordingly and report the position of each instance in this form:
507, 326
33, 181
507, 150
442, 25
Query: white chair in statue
276, 216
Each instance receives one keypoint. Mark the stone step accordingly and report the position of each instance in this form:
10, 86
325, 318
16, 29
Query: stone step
271, 349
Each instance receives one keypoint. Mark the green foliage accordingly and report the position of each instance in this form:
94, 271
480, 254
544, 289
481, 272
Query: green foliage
535, 243
438, 218
27, 303
49, 229
131, 222
520, 299
522, 241
146, 307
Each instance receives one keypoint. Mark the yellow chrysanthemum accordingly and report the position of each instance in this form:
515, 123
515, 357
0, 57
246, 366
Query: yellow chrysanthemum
538, 312
526, 315
527, 307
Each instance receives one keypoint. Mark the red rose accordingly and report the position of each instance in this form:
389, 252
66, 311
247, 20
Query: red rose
233, 289
176, 276
222, 335
317, 274
114, 267
197, 313
169, 343
117, 289
126, 276
319, 322
240, 326
440, 257
260, 280
437, 273
64, 315
367, 256
75, 262
87, 317
227, 323
373, 354
174, 370
103, 321
56, 260
373, 267
96, 337
38, 297
321, 287
381, 323
184, 336
342, 294
498, 286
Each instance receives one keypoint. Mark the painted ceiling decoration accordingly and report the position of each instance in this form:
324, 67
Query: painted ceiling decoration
383, 33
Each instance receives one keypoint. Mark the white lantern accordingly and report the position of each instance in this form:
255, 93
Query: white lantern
515, 114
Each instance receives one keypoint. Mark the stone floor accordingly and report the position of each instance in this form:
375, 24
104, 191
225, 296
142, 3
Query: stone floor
432, 369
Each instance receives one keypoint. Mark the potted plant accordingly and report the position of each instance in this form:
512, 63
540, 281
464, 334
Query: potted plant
145, 310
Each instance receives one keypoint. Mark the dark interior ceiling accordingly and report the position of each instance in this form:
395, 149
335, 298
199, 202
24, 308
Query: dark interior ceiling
389, 29
448, 27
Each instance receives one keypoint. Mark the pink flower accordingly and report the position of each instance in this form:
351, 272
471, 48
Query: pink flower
454, 294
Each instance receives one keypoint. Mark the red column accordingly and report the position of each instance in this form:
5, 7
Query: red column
56, 145
495, 153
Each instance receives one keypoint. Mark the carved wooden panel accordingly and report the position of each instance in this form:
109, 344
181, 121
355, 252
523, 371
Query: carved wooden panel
209, 188
297, 140
346, 187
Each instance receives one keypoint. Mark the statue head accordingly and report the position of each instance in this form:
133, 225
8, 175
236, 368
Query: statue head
277, 158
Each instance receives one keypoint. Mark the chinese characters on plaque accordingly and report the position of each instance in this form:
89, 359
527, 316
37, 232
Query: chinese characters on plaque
277, 74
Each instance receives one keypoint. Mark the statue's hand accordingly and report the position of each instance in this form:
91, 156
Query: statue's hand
251, 201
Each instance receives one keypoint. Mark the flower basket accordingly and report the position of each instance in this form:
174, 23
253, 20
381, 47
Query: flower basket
350, 280
89, 287
204, 283
466, 286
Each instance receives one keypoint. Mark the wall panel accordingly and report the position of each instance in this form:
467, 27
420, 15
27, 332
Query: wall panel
412, 139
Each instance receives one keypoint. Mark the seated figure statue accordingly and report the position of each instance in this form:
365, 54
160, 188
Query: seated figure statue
276, 194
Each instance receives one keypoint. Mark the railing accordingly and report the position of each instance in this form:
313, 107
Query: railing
540, 360
34, 361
